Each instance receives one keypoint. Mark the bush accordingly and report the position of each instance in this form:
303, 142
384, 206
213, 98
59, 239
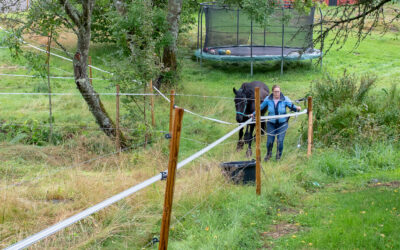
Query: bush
345, 114
29, 132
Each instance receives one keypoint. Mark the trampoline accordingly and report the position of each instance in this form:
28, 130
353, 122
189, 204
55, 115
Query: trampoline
231, 35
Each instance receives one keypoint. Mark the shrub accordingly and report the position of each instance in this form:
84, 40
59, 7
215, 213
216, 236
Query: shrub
29, 132
345, 114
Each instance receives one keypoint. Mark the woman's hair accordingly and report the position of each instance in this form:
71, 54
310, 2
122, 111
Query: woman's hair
275, 86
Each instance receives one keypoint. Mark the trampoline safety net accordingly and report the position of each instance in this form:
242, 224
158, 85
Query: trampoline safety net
231, 35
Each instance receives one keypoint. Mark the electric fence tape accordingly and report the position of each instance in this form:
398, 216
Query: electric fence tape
73, 219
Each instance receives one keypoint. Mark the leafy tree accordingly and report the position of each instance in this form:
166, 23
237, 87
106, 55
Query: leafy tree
76, 16
339, 23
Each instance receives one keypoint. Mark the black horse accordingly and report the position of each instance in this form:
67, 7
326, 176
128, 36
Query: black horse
245, 106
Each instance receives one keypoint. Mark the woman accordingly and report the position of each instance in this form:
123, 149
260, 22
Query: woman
277, 104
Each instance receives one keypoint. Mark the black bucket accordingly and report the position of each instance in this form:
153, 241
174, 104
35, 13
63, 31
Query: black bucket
240, 171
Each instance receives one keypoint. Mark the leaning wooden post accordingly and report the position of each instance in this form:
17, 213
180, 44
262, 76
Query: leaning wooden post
169, 189
117, 142
153, 120
90, 70
310, 126
171, 110
258, 142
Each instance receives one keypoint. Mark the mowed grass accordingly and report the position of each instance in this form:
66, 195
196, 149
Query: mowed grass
208, 212
358, 213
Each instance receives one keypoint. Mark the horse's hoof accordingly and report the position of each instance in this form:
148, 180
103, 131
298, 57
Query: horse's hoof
249, 153
239, 146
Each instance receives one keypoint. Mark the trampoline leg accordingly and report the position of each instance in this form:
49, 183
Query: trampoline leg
251, 68
321, 62
282, 67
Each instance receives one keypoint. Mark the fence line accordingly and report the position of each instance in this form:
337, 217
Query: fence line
61, 225
190, 112
53, 77
127, 94
77, 94
230, 123
56, 55
72, 166
71, 220
24, 67
137, 94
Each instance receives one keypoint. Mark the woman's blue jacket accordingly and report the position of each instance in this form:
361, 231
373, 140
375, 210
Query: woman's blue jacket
279, 109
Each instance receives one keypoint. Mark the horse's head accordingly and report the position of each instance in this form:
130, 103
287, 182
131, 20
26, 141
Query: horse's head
240, 104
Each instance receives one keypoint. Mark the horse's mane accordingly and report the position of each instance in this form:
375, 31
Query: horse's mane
247, 91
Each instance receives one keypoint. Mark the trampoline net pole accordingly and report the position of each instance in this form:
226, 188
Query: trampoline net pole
251, 45
201, 36
264, 32
322, 43
283, 37
198, 31
237, 29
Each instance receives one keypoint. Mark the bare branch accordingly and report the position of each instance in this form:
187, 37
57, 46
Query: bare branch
63, 48
346, 20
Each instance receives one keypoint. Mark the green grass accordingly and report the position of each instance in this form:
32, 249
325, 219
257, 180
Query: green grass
355, 214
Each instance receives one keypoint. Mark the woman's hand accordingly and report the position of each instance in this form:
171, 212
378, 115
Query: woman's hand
298, 108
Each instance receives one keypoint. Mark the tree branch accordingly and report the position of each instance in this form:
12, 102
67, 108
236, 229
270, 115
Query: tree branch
345, 20
71, 12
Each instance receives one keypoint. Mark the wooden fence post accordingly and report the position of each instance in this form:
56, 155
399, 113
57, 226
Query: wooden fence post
258, 142
117, 142
310, 126
171, 110
50, 37
144, 118
169, 189
153, 119
90, 71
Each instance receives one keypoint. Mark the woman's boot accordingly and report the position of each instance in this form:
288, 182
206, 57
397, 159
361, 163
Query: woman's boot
268, 155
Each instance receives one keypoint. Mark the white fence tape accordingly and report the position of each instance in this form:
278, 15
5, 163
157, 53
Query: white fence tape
65, 223
230, 123
282, 116
56, 55
53, 77
78, 94
190, 112
73, 219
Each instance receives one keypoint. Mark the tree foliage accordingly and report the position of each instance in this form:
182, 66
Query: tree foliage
339, 23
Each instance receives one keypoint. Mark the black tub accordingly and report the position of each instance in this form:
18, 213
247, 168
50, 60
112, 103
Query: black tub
240, 171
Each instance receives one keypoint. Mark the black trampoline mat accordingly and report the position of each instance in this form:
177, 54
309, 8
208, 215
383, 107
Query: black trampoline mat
257, 51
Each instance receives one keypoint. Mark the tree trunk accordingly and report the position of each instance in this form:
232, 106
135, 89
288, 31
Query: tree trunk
93, 100
83, 22
169, 55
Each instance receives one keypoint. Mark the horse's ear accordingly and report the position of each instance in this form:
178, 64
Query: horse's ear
234, 91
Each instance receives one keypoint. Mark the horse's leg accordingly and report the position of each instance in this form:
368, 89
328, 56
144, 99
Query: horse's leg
240, 142
249, 139
263, 124
263, 128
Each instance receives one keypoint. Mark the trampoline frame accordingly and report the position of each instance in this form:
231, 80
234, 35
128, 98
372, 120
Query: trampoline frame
200, 54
